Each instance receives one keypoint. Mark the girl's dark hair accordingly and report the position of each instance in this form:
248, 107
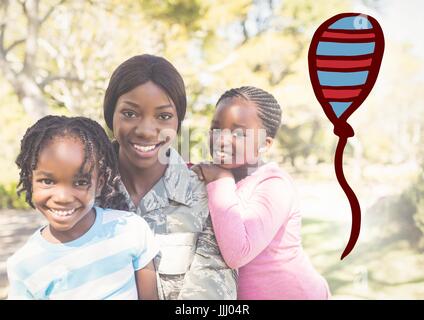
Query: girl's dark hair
137, 71
98, 151
269, 111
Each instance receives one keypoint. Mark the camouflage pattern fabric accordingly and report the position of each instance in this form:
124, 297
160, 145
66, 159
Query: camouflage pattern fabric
190, 265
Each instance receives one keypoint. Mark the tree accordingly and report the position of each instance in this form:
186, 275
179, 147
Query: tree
22, 74
58, 53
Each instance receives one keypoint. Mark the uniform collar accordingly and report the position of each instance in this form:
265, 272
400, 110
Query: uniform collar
174, 185
177, 179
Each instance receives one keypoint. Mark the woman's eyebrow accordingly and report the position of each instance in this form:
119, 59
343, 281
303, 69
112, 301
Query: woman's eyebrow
133, 104
165, 106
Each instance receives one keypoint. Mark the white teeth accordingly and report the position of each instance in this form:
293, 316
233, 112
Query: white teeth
62, 213
144, 149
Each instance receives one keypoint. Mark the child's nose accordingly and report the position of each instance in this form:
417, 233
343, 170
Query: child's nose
227, 143
225, 138
63, 195
221, 139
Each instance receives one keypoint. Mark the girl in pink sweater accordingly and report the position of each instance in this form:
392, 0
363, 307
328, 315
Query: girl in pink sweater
253, 205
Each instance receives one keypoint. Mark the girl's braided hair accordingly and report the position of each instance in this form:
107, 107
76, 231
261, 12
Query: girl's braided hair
269, 111
98, 151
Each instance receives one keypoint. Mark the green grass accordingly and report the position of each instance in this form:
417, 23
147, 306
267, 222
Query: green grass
375, 269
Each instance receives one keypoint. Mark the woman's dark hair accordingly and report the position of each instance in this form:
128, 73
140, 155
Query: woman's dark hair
137, 71
98, 151
269, 111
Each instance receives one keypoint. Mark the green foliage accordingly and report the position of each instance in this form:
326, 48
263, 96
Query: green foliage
392, 219
13, 124
185, 12
216, 45
9, 199
307, 141
400, 216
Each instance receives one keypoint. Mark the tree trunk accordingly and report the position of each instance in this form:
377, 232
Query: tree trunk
31, 97
28, 92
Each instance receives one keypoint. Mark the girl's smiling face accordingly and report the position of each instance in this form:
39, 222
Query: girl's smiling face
145, 122
60, 192
237, 134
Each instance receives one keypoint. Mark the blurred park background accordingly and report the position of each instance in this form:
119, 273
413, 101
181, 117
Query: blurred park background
56, 57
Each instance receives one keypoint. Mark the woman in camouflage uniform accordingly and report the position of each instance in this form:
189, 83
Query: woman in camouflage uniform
144, 105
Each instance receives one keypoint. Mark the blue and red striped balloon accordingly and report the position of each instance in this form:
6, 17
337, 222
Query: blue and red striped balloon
344, 60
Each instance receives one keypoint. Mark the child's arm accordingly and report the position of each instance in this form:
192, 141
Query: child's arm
146, 282
147, 249
243, 230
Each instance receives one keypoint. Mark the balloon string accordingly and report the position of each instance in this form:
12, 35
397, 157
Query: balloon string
353, 201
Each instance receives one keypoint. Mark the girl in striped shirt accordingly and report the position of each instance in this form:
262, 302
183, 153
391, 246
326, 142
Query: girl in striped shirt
85, 252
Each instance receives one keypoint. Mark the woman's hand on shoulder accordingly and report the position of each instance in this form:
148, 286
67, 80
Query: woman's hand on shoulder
209, 172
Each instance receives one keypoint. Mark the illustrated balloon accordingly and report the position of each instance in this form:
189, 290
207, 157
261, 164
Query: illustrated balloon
344, 60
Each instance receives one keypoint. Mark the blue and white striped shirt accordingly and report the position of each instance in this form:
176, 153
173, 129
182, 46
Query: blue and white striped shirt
101, 264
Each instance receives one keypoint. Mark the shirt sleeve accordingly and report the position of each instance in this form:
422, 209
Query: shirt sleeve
245, 228
147, 246
17, 288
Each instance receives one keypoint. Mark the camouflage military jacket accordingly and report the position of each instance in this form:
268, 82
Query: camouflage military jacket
190, 265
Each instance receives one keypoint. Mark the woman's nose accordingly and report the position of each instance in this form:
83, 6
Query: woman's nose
145, 128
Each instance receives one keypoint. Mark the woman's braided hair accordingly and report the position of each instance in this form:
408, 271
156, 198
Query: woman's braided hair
98, 151
269, 111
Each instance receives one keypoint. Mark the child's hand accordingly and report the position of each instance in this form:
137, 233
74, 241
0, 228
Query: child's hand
210, 172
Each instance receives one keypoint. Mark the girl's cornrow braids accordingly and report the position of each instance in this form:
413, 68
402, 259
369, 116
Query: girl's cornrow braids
269, 110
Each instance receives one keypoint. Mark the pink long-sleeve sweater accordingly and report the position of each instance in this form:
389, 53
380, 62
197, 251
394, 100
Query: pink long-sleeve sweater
257, 224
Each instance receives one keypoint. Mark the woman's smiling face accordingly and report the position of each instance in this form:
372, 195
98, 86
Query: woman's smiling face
145, 122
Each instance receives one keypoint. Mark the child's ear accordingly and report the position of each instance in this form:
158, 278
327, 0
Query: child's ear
268, 143
265, 147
